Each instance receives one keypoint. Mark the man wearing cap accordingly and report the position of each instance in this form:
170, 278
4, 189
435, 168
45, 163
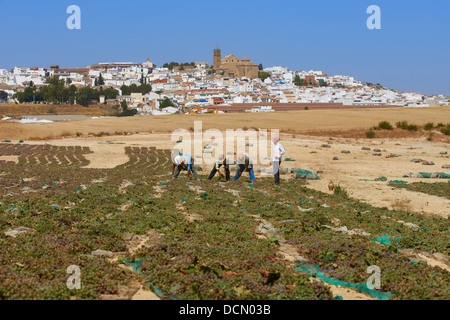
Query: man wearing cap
184, 162
245, 163
222, 166
278, 153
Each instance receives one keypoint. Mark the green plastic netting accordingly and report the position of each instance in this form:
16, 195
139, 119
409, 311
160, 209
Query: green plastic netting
386, 240
305, 174
137, 265
314, 271
429, 175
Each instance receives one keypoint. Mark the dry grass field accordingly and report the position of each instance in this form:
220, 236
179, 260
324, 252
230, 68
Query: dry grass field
42, 109
312, 122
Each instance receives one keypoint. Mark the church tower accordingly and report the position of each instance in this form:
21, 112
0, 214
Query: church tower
217, 62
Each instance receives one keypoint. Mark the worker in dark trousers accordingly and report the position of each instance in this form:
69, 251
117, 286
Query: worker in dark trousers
222, 166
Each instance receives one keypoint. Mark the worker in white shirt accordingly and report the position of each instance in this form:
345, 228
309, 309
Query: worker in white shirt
278, 153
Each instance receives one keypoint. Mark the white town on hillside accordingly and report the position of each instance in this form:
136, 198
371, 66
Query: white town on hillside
198, 88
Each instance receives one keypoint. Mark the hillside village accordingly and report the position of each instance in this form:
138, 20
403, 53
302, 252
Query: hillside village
229, 85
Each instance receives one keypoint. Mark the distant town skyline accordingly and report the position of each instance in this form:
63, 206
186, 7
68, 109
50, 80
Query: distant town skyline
409, 53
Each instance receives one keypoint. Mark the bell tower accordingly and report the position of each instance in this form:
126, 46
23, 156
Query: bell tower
217, 61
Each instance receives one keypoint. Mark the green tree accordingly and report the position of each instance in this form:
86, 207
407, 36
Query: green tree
133, 88
125, 111
54, 90
27, 95
171, 65
322, 83
143, 88
109, 93
124, 106
101, 82
125, 90
71, 94
298, 81
85, 95
263, 75
166, 103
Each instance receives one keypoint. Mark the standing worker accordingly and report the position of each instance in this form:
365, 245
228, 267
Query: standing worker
278, 153
245, 163
184, 162
222, 164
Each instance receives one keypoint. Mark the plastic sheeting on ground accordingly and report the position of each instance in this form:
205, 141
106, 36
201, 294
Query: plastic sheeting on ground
434, 175
386, 240
137, 265
305, 174
313, 270
428, 175
398, 182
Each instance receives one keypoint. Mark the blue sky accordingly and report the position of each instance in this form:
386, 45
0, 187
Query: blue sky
410, 53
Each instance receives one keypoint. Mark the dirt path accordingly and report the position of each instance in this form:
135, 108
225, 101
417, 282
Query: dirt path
351, 168
106, 156
10, 158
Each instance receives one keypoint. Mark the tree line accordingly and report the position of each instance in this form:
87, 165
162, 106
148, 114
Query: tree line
143, 88
171, 65
56, 92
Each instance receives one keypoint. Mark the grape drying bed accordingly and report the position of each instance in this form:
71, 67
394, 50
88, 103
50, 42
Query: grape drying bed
197, 239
